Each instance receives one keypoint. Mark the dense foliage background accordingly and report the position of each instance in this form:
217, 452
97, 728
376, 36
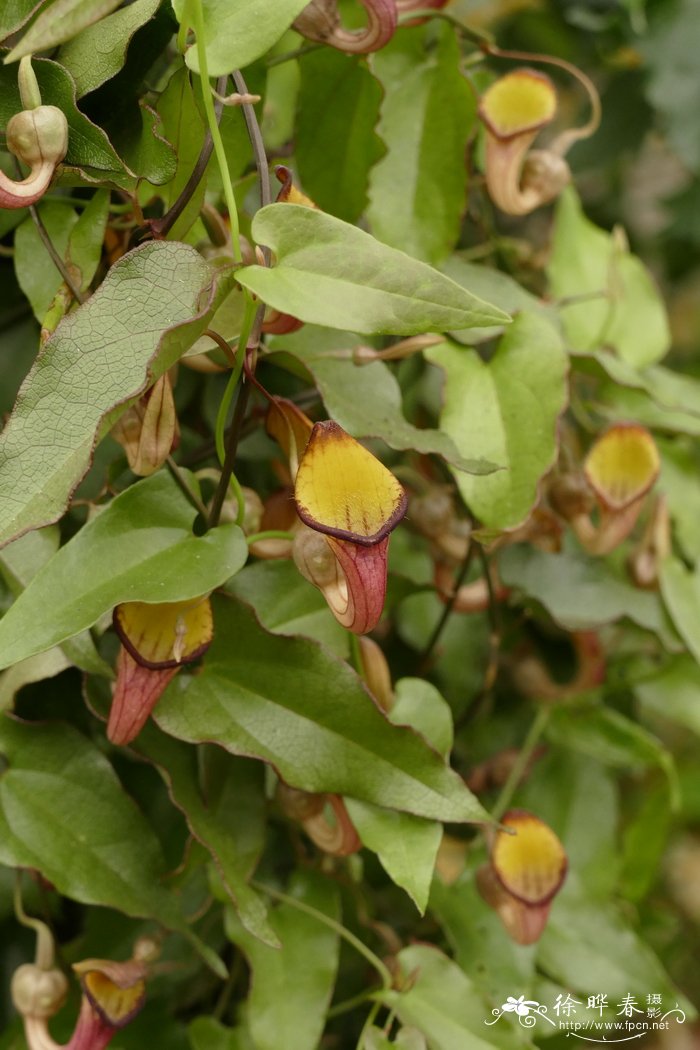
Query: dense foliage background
563, 681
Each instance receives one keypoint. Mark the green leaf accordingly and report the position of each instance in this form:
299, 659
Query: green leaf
366, 399
97, 53
206, 1033
153, 304
336, 144
427, 117
138, 139
292, 985
333, 274
611, 738
669, 53
89, 150
407, 846
590, 945
64, 812
496, 288
669, 390
673, 693
582, 593
418, 704
183, 127
34, 669
680, 588
37, 275
621, 403
482, 948
644, 842
505, 411
443, 1003
86, 238
680, 484
291, 703
229, 822
14, 13
578, 797
58, 22
21, 560
139, 548
236, 34
286, 603
621, 305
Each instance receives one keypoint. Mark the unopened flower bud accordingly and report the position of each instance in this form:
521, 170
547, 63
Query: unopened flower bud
38, 993
38, 136
544, 175
376, 673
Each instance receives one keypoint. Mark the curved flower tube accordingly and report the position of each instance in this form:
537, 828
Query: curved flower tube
402, 6
324, 818
532, 677
654, 547
320, 21
38, 136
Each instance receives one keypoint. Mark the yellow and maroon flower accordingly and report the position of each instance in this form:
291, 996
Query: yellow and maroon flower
526, 870
351, 502
514, 109
113, 994
156, 641
620, 468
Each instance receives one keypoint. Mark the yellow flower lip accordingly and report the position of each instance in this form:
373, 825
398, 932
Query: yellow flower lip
116, 990
622, 465
165, 635
344, 491
530, 864
519, 103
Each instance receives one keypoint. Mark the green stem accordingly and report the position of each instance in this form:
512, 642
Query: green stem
531, 741
305, 49
447, 611
482, 39
44, 954
337, 927
234, 431
349, 1004
269, 534
195, 6
181, 483
356, 653
367, 1025
226, 400
56, 259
